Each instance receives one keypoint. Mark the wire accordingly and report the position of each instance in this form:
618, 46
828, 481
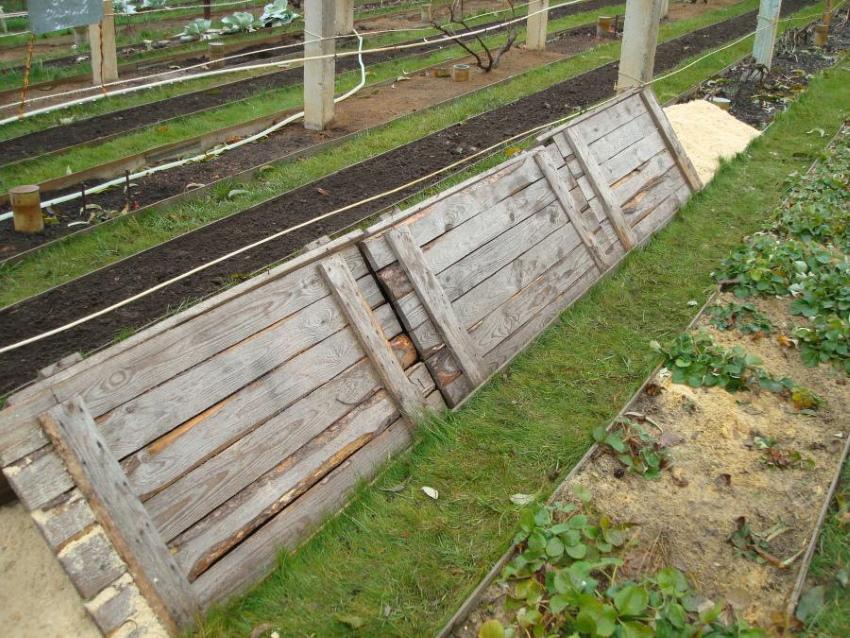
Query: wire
133, 89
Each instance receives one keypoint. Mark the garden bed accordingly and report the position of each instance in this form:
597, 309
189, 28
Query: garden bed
395, 168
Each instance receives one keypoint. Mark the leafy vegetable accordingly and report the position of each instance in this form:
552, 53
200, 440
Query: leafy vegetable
239, 22
277, 14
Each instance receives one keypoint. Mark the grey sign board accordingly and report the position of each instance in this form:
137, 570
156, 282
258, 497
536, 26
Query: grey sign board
54, 15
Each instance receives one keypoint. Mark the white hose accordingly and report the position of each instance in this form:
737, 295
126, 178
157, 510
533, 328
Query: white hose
215, 152
217, 72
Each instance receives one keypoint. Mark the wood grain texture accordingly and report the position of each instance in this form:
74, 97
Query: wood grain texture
436, 303
61, 523
371, 336
666, 130
255, 556
572, 207
100, 478
91, 562
38, 478
602, 189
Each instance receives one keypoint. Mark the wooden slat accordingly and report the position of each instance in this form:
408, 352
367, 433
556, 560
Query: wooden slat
571, 207
61, 523
669, 135
602, 189
612, 118
219, 532
114, 605
617, 140
590, 114
39, 478
632, 157
436, 303
371, 336
643, 177
208, 485
91, 562
201, 437
100, 478
255, 556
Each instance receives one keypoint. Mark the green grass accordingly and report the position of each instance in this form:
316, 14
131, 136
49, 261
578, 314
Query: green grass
401, 562
82, 254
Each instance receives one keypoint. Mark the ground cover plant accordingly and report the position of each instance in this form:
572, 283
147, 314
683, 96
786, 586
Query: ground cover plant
397, 564
83, 254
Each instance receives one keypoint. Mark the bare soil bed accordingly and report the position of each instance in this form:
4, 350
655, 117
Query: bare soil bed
720, 477
395, 168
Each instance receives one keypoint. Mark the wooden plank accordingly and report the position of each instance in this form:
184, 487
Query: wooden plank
461, 240
438, 215
646, 201
206, 542
571, 207
114, 605
621, 138
489, 294
370, 335
38, 478
115, 375
61, 523
672, 142
436, 303
100, 478
629, 159
643, 177
255, 556
138, 422
168, 458
208, 485
587, 115
91, 562
610, 118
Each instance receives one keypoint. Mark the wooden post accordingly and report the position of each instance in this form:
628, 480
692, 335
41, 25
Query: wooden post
766, 26
3, 21
207, 9
104, 57
319, 75
26, 209
538, 25
345, 17
640, 37
665, 8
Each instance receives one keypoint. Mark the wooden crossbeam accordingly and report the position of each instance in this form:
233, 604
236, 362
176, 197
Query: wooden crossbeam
602, 189
100, 478
571, 206
371, 336
670, 140
436, 303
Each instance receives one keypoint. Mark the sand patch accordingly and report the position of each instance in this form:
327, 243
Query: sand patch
36, 596
709, 134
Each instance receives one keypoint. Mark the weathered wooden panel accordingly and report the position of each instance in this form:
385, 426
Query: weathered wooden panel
63, 522
91, 562
38, 478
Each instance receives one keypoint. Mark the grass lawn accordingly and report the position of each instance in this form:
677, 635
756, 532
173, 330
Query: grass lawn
82, 254
401, 563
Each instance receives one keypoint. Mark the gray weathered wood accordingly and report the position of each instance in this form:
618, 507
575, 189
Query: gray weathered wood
372, 338
621, 138
436, 303
602, 189
216, 534
91, 562
100, 478
171, 456
114, 605
631, 158
669, 135
61, 523
253, 558
590, 114
38, 478
648, 174
571, 207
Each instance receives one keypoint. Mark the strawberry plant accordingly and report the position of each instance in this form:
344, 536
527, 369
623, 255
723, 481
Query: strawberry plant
745, 317
697, 361
826, 339
634, 447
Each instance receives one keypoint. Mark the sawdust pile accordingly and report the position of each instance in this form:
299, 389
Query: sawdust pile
36, 596
709, 134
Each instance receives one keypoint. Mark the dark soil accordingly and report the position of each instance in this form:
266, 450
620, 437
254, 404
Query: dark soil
123, 121
422, 157
159, 186
756, 95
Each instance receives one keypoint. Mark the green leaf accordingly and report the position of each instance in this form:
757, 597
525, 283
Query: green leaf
631, 600
811, 602
671, 581
614, 536
554, 548
582, 492
558, 603
492, 629
577, 551
636, 630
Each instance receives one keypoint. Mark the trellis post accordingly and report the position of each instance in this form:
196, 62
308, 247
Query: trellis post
104, 56
319, 75
640, 37
766, 27
345, 17
538, 24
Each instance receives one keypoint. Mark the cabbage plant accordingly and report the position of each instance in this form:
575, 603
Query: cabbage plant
154, 4
196, 29
239, 22
124, 6
277, 14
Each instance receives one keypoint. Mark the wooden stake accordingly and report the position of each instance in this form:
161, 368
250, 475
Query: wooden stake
319, 75
3, 21
538, 25
104, 56
640, 37
766, 26
26, 208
